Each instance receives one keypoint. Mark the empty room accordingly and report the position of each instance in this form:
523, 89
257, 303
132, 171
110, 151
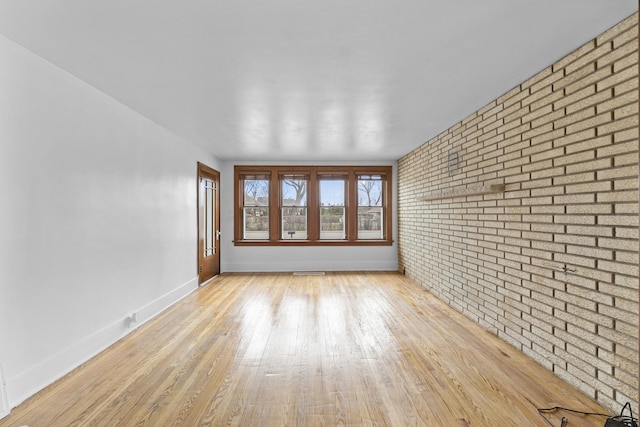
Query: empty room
313, 214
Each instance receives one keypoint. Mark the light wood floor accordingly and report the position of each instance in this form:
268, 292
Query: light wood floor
369, 349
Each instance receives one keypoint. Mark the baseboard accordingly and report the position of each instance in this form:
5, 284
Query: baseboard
4, 398
254, 265
29, 382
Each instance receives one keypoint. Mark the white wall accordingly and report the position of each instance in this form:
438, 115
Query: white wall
97, 220
300, 258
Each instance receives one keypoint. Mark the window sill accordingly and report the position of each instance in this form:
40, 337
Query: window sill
312, 243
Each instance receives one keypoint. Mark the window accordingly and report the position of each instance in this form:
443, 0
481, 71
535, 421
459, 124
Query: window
313, 205
294, 206
255, 207
370, 212
333, 207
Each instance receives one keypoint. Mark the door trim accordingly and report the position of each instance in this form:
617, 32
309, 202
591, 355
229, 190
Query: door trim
204, 169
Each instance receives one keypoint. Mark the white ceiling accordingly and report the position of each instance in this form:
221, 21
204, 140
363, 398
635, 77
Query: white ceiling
278, 80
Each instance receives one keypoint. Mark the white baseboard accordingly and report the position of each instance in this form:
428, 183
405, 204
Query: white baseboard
272, 267
4, 398
34, 379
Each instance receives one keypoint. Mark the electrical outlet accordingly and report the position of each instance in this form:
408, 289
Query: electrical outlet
130, 320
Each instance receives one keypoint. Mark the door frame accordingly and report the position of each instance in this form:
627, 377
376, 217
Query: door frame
202, 168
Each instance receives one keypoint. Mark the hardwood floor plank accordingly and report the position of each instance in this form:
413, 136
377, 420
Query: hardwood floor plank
354, 349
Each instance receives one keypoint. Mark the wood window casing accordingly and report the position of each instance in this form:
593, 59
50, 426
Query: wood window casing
314, 174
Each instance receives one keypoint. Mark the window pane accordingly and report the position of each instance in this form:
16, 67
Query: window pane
332, 209
370, 213
294, 192
256, 223
332, 222
209, 245
370, 223
256, 192
293, 213
369, 192
332, 192
294, 223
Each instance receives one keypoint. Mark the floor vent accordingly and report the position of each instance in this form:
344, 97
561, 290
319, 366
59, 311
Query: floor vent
308, 273
4, 397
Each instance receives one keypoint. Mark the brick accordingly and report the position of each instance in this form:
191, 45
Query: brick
591, 187
543, 115
575, 240
616, 149
625, 159
615, 55
596, 77
537, 78
538, 131
618, 220
575, 219
548, 246
594, 100
590, 122
627, 61
617, 78
547, 136
627, 257
512, 96
575, 178
593, 56
618, 125
517, 114
629, 110
605, 163
589, 144
590, 209
626, 87
587, 284
578, 116
574, 98
551, 97
618, 268
619, 244
627, 233
619, 100
617, 197
548, 172
630, 35
546, 191
580, 157
547, 81
591, 252
584, 135
527, 182
490, 109
630, 208
619, 172
569, 159
514, 134
575, 55
597, 231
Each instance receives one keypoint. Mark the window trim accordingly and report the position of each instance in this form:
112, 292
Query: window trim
313, 204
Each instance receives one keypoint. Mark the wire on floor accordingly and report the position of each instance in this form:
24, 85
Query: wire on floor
621, 420
565, 421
